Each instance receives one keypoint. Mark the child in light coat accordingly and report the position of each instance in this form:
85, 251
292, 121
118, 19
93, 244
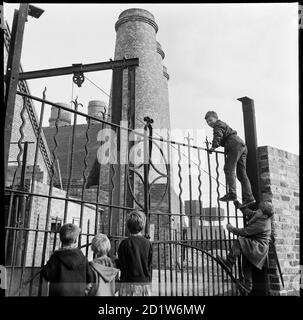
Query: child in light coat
103, 269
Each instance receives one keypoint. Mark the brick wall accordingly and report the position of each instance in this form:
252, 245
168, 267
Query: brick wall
279, 179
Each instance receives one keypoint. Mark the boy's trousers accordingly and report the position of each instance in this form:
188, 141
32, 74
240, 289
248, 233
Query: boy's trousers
236, 164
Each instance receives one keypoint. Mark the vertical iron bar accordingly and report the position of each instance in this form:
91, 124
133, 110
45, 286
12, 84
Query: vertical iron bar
147, 155
200, 212
176, 260
55, 234
169, 210
117, 95
71, 160
181, 220
228, 214
131, 124
34, 255
164, 265
99, 183
191, 212
12, 74
207, 260
84, 178
159, 257
87, 237
20, 238
219, 216
187, 267
202, 261
217, 266
210, 209
197, 262
229, 286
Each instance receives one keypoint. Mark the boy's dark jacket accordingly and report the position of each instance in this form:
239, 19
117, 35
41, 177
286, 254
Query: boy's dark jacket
225, 136
68, 272
254, 238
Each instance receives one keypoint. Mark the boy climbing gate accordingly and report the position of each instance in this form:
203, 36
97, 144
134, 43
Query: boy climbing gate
236, 154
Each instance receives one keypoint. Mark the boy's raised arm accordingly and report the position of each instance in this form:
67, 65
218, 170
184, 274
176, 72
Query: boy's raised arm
250, 230
218, 136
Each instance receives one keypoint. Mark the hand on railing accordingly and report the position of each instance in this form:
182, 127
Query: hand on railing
211, 150
237, 204
230, 227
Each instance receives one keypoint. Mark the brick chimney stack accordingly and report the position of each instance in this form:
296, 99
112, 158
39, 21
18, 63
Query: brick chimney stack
136, 38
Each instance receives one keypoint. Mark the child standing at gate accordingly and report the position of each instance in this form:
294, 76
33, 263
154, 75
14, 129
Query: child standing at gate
135, 258
68, 270
253, 241
102, 267
236, 154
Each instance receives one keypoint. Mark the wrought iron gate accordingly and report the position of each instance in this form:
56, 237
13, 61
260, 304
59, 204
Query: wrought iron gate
186, 238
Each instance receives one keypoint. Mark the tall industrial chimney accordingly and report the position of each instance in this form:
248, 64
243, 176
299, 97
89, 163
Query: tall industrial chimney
136, 38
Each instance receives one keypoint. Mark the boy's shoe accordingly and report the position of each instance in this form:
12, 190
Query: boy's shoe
228, 197
245, 288
247, 203
241, 287
225, 263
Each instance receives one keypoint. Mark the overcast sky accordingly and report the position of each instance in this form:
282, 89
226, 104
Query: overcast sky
215, 53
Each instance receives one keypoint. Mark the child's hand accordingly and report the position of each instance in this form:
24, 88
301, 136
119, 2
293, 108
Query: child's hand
237, 204
88, 288
229, 227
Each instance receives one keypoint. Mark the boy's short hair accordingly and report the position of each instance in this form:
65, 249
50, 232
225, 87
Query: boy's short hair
267, 208
135, 221
69, 233
101, 244
211, 114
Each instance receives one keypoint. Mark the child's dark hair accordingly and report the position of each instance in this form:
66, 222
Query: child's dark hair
135, 221
69, 233
267, 208
211, 114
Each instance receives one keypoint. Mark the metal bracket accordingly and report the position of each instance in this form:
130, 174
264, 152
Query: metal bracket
78, 77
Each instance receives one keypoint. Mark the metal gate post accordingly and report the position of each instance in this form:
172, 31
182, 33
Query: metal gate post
115, 168
131, 115
147, 156
12, 74
260, 280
